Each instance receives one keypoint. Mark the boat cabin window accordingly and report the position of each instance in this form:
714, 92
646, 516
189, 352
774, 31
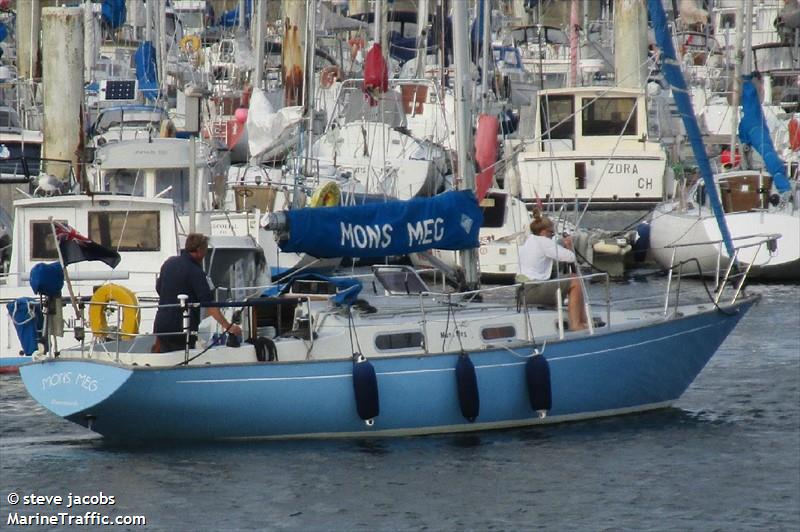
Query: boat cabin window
727, 20
234, 271
557, 121
312, 287
502, 332
402, 340
129, 118
43, 245
124, 182
178, 179
402, 280
126, 231
609, 116
494, 210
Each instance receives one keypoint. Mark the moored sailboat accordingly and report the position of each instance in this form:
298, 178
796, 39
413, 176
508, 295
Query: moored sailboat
327, 358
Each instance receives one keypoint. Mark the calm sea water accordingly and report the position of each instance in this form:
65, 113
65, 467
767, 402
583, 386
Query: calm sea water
727, 457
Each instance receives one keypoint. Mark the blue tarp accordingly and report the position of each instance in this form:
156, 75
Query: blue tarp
448, 221
231, 18
671, 69
147, 70
47, 279
348, 288
26, 313
753, 130
3, 32
113, 13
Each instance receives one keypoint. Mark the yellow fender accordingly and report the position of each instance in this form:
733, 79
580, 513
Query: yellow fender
190, 43
610, 249
129, 323
328, 195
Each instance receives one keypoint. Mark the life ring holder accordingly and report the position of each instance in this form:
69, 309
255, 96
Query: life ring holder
327, 195
129, 307
190, 44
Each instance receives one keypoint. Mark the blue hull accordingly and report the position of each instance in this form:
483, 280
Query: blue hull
606, 374
11, 364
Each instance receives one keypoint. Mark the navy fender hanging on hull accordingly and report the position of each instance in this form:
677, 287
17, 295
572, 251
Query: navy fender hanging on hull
365, 386
537, 375
467, 382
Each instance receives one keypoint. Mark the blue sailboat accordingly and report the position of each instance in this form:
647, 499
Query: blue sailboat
386, 354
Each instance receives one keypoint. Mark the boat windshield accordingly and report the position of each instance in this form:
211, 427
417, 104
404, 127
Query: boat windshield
400, 280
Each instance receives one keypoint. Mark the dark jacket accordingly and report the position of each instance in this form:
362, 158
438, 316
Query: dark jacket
180, 275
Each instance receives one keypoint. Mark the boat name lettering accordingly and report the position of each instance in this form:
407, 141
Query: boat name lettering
87, 382
366, 236
426, 231
149, 152
57, 379
451, 334
645, 183
622, 168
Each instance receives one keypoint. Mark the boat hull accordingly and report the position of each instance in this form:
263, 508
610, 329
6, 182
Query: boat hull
630, 370
701, 236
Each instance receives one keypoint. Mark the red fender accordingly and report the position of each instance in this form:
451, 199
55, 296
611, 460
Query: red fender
725, 159
376, 74
485, 152
794, 133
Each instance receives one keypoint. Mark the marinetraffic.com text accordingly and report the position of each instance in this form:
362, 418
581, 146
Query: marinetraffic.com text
69, 510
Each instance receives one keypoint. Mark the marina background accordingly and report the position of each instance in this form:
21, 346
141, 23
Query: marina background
726, 457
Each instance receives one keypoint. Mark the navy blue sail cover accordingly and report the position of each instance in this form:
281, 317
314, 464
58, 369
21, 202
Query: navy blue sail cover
753, 130
448, 221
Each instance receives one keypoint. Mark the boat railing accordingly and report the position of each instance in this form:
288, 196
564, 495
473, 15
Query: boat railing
725, 275
482, 294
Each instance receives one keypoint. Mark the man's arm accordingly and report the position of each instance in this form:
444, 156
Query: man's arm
558, 252
215, 313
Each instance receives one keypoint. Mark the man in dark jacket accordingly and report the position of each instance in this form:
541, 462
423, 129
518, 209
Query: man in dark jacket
184, 274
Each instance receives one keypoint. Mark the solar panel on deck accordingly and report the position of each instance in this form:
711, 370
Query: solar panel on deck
121, 90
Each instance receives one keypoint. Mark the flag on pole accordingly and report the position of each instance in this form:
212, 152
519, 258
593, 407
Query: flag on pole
77, 248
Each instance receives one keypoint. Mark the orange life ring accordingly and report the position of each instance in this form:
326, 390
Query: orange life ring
329, 75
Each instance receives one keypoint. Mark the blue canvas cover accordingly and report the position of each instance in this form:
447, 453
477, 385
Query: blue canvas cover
26, 313
347, 288
448, 221
113, 13
753, 131
147, 70
231, 17
47, 279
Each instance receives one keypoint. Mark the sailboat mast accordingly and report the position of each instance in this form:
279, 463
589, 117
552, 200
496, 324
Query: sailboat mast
463, 99
487, 53
422, 38
747, 26
308, 91
259, 43
737, 86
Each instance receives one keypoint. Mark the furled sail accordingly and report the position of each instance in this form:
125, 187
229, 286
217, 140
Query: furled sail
448, 221
672, 73
753, 130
